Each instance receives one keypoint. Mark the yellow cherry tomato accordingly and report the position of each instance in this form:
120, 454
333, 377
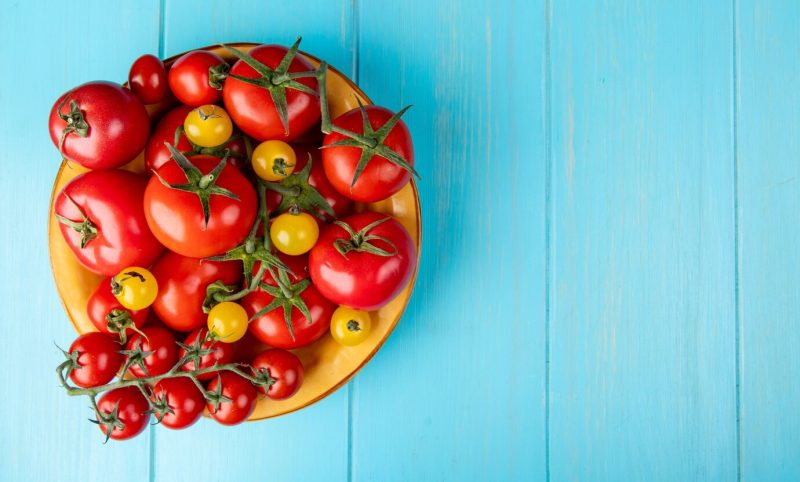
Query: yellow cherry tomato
227, 321
294, 234
208, 126
350, 327
135, 288
273, 160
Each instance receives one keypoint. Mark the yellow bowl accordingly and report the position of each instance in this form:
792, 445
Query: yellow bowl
328, 365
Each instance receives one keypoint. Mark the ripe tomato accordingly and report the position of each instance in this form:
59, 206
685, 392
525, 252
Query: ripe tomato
163, 352
227, 321
135, 288
284, 368
208, 126
110, 317
103, 222
222, 353
183, 402
294, 234
132, 413
99, 125
177, 217
148, 79
240, 391
196, 77
252, 107
99, 360
348, 267
350, 327
381, 177
273, 160
182, 284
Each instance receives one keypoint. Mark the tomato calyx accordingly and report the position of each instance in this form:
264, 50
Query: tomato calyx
108, 421
159, 406
287, 296
119, 321
76, 123
217, 75
362, 241
353, 325
71, 363
264, 377
85, 227
298, 195
135, 357
216, 398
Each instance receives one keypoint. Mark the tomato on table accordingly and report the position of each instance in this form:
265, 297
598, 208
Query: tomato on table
241, 393
178, 402
283, 369
109, 316
124, 413
196, 77
159, 349
98, 360
208, 126
350, 327
148, 79
221, 353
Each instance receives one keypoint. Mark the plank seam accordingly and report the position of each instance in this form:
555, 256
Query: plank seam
355, 42
736, 215
548, 226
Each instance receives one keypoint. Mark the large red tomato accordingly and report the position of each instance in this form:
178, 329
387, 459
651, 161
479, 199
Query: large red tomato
99, 125
182, 283
177, 217
252, 107
131, 409
349, 270
109, 316
195, 78
381, 177
102, 221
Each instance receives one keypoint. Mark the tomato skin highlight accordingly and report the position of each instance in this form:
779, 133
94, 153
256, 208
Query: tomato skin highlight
111, 200
103, 302
118, 125
148, 79
185, 400
164, 350
132, 410
284, 367
223, 354
99, 360
243, 397
189, 78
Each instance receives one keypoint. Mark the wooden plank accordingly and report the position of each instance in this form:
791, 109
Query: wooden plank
48, 48
457, 393
642, 321
768, 139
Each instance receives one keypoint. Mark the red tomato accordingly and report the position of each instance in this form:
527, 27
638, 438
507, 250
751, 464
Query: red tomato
109, 316
182, 283
240, 391
222, 354
285, 368
381, 178
103, 125
176, 216
160, 343
148, 79
360, 279
194, 77
98, 357
114, 234
251, 107
133, 411
183, 398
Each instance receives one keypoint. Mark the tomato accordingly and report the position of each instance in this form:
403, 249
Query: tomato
148, 79
241, 393
178, 218
252, 107
208, 126
182, 403
294, 234
350, 327
196, 77
103, 222
381, 177
227, 321
135, 288
110, 317
182, 284
273, 160
124, 413
284, 368
348, 267
222, 353
160, 350
98, 360
99, 125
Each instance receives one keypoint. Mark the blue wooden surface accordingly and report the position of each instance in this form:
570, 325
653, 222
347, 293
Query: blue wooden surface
608, 287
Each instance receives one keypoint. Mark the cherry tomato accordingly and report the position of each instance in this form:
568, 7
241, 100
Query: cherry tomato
148, 79
284, 368
208, 126
99, 360
184, 400
240, 391
195, 78
163, 351
346, 268
182, 283
102, 220
227, 321
222, 353
273, 160
99, 125
380, 178
132, 413
135, 288
294, 234
110, 317
350, 327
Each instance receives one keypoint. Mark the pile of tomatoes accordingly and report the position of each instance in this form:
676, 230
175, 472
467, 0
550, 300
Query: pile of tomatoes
249, 220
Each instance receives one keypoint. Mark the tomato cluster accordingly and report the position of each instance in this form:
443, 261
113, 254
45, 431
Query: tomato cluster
248, 218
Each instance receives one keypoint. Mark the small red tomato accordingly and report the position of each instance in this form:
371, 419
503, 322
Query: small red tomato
284, 368
109, 316
184, 403
99, 360
240, 391
148, 79
196, 77
162, 349
132, 413
222, 353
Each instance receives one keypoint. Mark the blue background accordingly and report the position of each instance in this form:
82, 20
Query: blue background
608, 289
